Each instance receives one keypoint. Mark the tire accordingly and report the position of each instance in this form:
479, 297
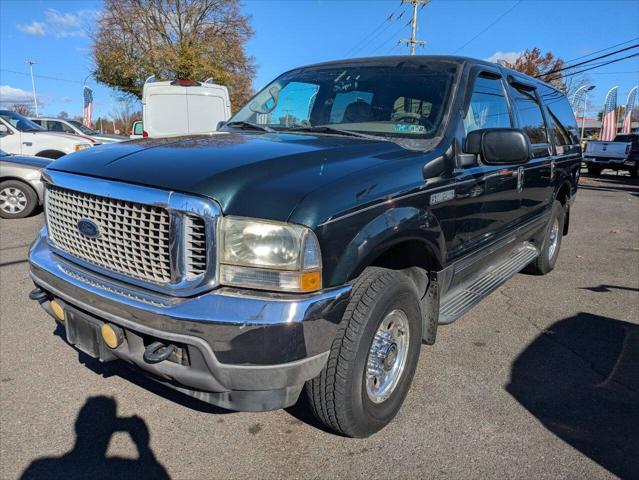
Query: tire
17, 199
339, 396
634, 172
547, 258
52, 154
594, 170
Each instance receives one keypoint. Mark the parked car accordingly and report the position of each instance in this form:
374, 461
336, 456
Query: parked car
137, 130
20, 136
349, 209
21, 190
183, 107
76, 128
620, 154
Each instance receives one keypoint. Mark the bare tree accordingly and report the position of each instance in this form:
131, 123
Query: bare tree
124, 114
194, 39
23, 109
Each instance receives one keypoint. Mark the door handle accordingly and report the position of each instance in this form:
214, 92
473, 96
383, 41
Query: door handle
521, 172
27, 144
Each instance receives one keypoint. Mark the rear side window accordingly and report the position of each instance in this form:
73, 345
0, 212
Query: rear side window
488, 106
531, 120
564, 129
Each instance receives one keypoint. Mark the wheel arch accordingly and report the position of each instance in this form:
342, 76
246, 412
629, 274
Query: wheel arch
50, 153
563, 196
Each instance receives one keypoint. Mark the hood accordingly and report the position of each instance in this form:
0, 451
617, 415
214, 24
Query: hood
259, 175
108, 138
36, 162
58, 135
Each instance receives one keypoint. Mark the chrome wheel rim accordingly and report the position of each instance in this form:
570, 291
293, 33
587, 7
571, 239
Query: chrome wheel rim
12, 200
387, 356
553, 238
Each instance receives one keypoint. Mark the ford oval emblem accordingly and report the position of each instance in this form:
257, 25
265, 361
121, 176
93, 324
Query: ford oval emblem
88, 228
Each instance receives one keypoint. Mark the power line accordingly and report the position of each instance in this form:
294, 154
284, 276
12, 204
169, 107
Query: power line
588, 61
371, 36
40, 76
489, 26
592, 68
602, 50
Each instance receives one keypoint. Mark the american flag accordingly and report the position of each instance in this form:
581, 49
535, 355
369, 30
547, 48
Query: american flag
630, 104
88, 107
609, 118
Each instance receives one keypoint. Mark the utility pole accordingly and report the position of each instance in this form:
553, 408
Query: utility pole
412, 42
31, 63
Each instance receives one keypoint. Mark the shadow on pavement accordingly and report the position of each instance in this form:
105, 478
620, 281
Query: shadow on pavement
580, 379
608, 288
97, 421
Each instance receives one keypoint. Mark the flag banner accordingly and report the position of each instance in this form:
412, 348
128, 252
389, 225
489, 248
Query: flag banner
630, 104
88, 107
609, 117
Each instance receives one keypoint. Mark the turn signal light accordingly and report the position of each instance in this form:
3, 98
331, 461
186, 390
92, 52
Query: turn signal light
58, 311
112, 335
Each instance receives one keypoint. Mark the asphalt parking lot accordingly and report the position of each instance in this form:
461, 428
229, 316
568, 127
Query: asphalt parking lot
540, 380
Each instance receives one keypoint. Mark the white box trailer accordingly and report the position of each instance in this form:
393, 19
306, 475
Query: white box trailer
183, 107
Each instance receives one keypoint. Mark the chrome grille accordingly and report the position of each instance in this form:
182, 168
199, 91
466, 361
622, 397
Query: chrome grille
133, 240
195, 246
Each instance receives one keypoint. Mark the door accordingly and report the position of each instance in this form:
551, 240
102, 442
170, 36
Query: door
10, 141
536, 183
486, 195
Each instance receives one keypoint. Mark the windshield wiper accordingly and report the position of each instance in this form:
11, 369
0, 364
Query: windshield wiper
249, 125
337, 131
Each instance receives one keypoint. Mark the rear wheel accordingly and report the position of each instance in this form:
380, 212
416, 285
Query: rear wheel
373, 358
634, 172
17, 199
551, 243
594, 170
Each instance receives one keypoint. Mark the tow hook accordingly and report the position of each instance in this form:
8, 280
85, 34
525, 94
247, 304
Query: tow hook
158, 352
38, 294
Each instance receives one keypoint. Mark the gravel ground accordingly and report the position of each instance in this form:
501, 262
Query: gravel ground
540, 380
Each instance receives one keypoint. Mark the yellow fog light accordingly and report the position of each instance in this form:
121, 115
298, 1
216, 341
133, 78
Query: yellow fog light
57, 310
112, 335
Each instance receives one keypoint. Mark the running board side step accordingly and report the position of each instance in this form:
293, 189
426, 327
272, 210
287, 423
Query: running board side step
465, 296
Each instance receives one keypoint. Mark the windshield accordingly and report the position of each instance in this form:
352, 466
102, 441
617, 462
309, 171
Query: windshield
82, 128
398, 100
19, 122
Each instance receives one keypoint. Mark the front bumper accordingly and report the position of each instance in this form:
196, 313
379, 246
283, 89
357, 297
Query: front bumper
246, 350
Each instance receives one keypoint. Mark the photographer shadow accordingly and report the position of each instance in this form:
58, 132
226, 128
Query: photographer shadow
95, 424
580, 379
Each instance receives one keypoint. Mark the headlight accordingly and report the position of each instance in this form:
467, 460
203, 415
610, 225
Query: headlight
82, 146
269, 255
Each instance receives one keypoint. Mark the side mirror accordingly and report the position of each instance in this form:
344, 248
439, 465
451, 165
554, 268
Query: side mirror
498, 146
4, 130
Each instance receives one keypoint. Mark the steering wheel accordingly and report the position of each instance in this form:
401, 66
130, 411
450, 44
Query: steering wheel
408, 117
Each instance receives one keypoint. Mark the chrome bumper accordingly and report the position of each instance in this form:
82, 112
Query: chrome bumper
250, 341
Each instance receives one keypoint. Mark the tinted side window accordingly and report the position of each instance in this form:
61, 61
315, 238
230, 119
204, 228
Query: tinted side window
531, 120
563, 124
488, 106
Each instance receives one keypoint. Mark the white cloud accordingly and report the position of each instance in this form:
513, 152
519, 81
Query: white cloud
66, 20
34, 28
510, 57
10, 95
71, 34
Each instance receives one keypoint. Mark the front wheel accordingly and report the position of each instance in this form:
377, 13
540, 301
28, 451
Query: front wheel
373, 357
17, 199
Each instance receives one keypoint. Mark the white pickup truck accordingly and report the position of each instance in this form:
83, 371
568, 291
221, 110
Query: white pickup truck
620, 154
20, 136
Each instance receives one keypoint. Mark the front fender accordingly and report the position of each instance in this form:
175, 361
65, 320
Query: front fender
386, 230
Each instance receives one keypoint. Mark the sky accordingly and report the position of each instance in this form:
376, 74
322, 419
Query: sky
55, 34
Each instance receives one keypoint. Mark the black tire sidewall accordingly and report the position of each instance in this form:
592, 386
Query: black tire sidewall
29, 193
370, 416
